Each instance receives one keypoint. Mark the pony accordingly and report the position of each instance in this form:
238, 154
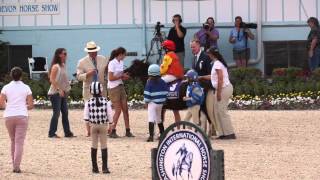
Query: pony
139, 69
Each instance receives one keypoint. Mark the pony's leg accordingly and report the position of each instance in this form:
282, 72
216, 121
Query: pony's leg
163, 113
177, 117
203, 122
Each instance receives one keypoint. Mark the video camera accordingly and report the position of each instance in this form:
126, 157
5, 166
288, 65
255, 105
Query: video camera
206, 26
248, 25
158, 28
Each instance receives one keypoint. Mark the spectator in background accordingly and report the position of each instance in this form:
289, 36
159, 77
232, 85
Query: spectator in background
239, 38
313, 43
91, 68
58, 93
177, 34
16, 98
208, 35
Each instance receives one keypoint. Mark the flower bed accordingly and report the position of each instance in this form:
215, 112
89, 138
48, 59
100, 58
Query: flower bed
43, 103
308, 100
301, 100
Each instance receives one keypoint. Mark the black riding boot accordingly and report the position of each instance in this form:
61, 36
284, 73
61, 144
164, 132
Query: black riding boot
95, 168
161, 128
151, 132
105, 168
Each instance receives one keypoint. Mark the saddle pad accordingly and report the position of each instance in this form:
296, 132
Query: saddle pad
174, 89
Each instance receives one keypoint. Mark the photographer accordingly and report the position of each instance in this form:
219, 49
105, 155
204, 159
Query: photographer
177, 34
208, 35
239, 38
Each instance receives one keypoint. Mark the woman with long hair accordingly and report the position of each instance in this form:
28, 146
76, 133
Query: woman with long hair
223, 91
58, 93
116, 91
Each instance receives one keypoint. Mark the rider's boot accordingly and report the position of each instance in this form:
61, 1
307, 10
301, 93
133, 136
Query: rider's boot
151, 132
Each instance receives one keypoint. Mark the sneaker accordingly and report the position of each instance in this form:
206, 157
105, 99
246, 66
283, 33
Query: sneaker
129, 134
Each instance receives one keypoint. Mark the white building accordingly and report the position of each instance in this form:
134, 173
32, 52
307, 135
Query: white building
39, 30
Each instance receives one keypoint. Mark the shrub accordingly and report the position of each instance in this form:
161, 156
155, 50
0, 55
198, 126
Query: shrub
238, 75
134, 89
288, 74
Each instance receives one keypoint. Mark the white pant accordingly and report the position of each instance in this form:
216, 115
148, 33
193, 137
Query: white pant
154, 112
168, 78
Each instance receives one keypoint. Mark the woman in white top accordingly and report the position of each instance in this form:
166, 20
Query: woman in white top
223, 92
116, 91
58, 93
16, 98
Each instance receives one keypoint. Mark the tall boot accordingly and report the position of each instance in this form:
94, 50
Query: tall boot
104, 153
161, 128
95, 168
151, 132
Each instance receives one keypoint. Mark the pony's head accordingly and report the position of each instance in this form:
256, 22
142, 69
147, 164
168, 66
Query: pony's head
138, 69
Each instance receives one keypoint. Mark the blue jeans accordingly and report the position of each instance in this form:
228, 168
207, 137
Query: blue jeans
315, 59
59, 104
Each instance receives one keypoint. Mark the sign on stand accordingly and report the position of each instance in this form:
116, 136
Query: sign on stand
186, 153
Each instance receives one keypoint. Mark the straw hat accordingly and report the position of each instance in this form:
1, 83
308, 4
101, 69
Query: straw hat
91, 47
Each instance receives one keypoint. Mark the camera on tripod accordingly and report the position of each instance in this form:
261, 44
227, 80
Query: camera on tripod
206, 26
248, 25
158, 28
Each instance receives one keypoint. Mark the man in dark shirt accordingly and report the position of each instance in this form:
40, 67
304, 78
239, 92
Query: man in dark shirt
177, 34
202, 64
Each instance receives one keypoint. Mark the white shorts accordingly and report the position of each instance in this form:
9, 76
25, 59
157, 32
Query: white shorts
154, 112
168, 78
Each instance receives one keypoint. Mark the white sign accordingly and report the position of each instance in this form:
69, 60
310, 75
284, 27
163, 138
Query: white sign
29, 8
183, 155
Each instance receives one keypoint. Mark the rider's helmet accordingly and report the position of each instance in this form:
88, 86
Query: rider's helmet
191, 75
169, 45
154, 70
96, 88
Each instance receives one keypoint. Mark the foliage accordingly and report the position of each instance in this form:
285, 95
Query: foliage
38, 87
134, 89
287, 89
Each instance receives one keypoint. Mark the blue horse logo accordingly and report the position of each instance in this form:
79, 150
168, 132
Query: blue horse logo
184, 163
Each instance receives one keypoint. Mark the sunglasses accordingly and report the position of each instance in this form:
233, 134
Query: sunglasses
64, 53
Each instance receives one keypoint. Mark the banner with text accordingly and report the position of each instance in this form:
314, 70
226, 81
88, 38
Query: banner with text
30, 8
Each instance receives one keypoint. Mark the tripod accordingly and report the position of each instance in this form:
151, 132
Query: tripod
157, 39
